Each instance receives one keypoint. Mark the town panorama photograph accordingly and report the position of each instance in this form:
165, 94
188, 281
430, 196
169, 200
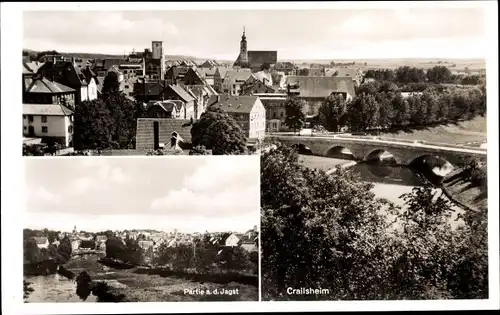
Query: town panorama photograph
161, 229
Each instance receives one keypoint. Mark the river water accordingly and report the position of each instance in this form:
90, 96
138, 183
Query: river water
389, 182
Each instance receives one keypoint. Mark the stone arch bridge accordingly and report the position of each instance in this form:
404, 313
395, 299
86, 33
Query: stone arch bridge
365, 148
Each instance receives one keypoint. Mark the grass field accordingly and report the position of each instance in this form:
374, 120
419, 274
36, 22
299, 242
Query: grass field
472, 131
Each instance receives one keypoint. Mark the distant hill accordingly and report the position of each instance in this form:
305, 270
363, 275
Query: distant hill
392, 63
197, 60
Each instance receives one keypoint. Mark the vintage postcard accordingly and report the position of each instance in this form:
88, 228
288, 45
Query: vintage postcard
291, 156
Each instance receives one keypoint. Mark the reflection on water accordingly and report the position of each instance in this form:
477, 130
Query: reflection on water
387, 174
54, 288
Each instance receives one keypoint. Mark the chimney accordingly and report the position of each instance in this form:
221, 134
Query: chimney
54, 59
218, 98
73, 60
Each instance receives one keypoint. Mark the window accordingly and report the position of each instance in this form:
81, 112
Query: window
126, 86
70, 128
30, 118
45, 129
24, 127
274, 114
24, 116
44, 118
281, 114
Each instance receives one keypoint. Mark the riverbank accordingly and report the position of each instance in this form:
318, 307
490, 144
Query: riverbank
463, 193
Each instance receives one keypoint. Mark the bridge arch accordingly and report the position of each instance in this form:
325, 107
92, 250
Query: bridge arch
379, 154
340, 152
302, 149
436, 164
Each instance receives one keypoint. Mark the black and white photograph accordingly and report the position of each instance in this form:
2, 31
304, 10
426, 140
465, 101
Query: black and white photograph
379, 190
141, 230
124, 92
291, 156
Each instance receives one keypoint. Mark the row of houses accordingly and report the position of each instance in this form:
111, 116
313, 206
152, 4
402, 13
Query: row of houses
247, 240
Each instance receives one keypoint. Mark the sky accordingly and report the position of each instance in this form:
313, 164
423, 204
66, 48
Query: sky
190, 194
295, 34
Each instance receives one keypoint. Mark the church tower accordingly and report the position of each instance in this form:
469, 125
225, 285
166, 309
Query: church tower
242, 60
243, 49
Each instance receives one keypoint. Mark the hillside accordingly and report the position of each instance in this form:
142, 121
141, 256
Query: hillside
464, 132
460, 64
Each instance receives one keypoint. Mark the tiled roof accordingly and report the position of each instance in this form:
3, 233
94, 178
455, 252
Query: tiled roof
166, 126
237, 104
179, 90
40, 239
152, 88
88, 74
46, 86
261, 75
167, 106
46, 109
177, 71
237, 76
322, 86
31, 67
80, 75
206, 72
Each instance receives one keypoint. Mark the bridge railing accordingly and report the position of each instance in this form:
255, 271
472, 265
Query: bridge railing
388, 139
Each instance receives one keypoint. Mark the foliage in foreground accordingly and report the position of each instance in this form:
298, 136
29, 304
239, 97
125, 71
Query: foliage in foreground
321, 231
219, 132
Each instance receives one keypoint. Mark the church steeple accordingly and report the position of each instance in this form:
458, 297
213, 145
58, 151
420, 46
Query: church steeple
243, 58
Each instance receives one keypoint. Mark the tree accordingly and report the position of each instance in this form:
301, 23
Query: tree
439, 74
31, 251
52, 236
368, 88
332, 112
219, 132
115, 248
363, 112
418, 110
408, 74
386, 111
52, 251
64, 250
430, 100
123, 111
401, 111
134, 253
93, 126
111, 84
295, 117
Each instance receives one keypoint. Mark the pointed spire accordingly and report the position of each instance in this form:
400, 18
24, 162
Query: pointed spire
243, 30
